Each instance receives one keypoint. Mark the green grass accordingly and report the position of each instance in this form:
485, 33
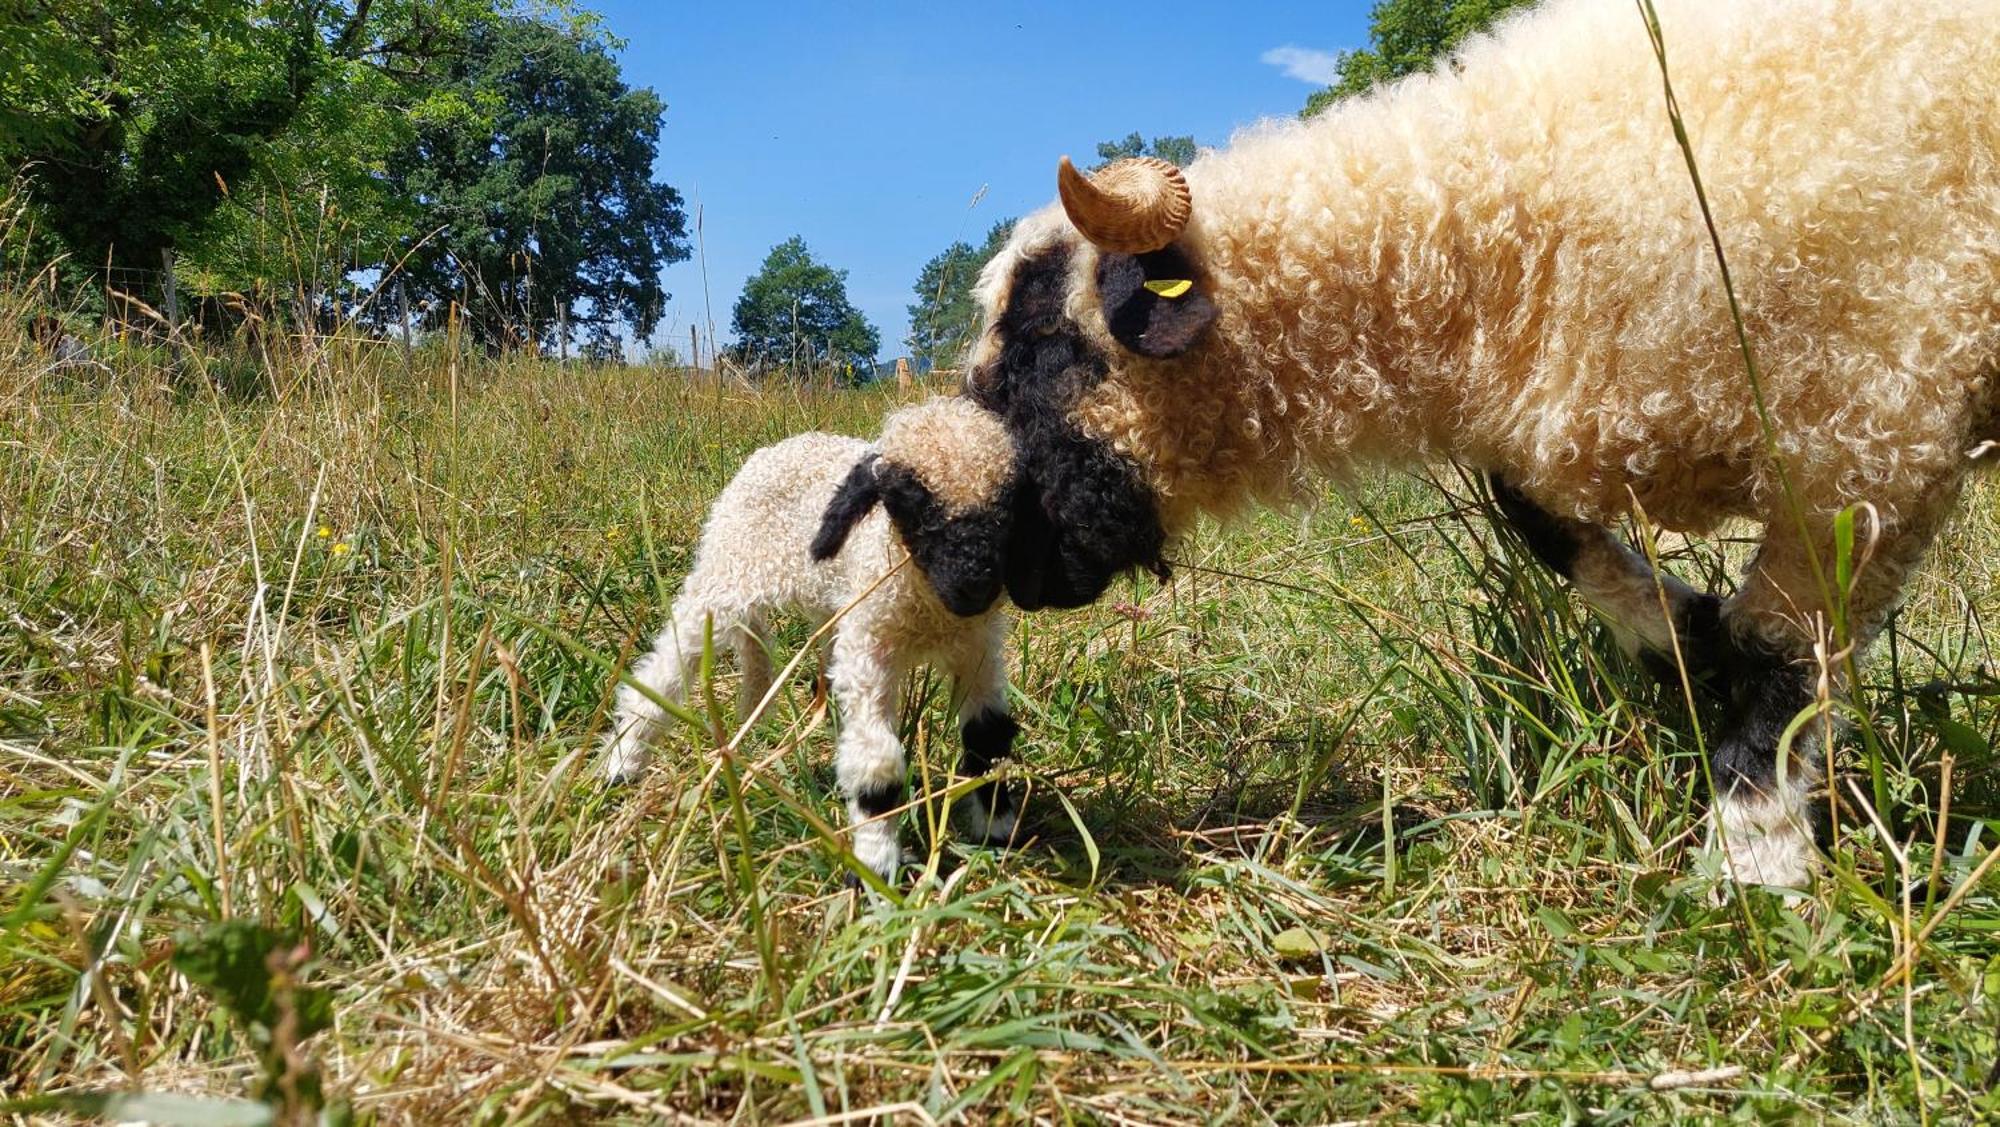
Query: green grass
1358, 818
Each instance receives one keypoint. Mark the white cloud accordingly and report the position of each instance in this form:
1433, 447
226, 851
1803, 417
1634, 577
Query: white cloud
1321, 68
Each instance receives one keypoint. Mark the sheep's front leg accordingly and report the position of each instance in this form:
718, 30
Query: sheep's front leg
1772, 625
989, 813
1622, 587
869, 761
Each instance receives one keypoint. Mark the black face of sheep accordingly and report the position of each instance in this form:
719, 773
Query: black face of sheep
1083, 514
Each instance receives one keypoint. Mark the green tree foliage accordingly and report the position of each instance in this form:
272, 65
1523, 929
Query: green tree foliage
794, 313
280, 148
140, 113
134, 122
319, 203
945, 317
1173, 150
1407, 36
539, 189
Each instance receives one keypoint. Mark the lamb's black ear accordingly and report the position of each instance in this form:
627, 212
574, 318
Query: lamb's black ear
1152, 302
850, 503
963, 554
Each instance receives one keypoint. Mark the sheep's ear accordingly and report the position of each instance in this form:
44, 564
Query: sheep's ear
850, 503
1153, 303
962, 554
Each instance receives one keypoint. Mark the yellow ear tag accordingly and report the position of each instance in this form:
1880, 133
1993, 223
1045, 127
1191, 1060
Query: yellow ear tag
1174, 288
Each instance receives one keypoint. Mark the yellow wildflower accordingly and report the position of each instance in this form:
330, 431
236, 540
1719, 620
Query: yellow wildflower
325, 533
340, 549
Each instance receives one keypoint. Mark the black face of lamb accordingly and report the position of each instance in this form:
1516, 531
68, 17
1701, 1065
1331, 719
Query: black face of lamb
961, 554
1083, 513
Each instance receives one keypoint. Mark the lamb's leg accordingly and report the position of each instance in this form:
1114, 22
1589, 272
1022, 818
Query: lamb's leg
1761, 803
753, 661
989, 813
1623, 587
663, 670
869, 760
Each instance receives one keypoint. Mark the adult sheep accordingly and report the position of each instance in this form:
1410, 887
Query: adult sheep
1504, 264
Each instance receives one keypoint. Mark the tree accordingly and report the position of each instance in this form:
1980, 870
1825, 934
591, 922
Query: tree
538, 182
794, 313
138, 113
945, 316
1173, 150
136, 123
1407, 36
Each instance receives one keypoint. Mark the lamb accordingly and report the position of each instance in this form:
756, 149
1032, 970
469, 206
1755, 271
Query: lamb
798, 530
1503, 264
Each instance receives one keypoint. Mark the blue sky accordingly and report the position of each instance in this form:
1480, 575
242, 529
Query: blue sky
869, 128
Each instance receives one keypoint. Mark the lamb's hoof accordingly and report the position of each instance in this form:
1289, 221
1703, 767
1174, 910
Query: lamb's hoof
1783, 859
623, 766
852, 882
885, 857
989, 816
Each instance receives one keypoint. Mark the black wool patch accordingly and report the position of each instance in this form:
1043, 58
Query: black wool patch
962, 555
1769, 691
1703, 647
1146, 322
876, 801
989, 738
1083, 513
857, 494
1547, 537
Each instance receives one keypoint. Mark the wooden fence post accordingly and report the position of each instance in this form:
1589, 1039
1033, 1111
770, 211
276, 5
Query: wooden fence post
403, 306
173, 297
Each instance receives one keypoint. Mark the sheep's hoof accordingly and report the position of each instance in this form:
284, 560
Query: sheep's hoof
1760, 843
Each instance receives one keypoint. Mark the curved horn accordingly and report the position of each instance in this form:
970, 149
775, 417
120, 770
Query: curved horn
1131, 207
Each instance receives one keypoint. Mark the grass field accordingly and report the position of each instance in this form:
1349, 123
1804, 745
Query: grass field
1357, 819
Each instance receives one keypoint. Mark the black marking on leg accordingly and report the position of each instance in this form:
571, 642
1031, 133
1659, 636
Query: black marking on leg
1547, 536
1704, 647
1768, 690
989, 737
877, 799
996, 801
